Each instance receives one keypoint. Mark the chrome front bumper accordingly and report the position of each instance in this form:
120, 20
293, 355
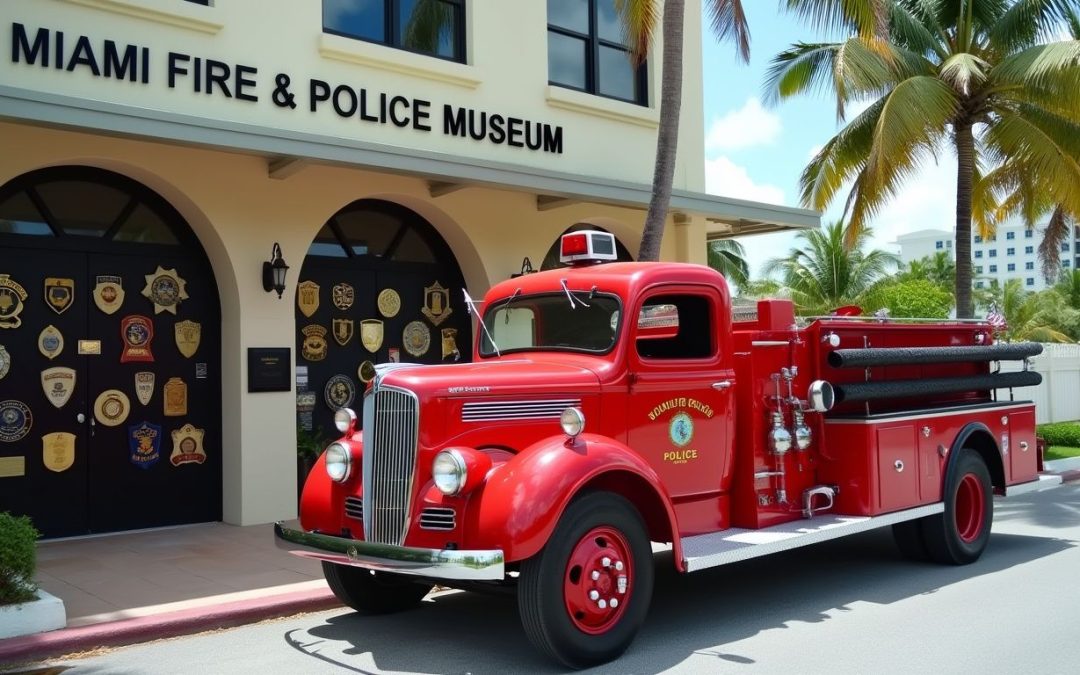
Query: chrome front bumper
424, 562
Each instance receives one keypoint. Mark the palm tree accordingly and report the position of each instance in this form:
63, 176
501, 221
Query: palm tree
1069, 288
825, 273
982, 77
728, 257
1025, 315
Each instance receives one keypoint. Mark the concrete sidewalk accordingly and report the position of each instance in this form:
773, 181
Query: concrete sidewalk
136, 586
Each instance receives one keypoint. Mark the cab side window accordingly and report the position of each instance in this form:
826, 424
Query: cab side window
693, 331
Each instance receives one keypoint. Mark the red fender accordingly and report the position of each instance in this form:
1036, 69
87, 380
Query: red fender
521, 501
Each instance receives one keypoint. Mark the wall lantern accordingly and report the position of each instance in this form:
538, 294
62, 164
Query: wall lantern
274, 272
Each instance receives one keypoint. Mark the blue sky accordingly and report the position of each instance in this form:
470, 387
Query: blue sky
757, 152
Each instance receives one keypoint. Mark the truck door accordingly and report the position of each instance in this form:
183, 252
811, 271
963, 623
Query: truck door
682, 397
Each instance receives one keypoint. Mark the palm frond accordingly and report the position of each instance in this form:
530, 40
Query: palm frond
640, 20
728, 20
1057, 232
843, 156
964, 72
1027, 22
429, 22
728, 257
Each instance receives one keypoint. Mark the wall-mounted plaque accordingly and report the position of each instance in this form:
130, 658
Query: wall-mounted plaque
269, 369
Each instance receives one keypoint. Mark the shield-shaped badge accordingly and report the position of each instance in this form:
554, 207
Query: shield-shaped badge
187, 446
109, 293
58, 451
343, 295
50, 342
307, 297
449, 343
371, 334
188, 334
175, 397
12, 296
165, 289
436, 303
5, 362
314, 346
144, 386
144, 441
137, 332
59, 293
111, 407
343, 331
339, 392
58, 383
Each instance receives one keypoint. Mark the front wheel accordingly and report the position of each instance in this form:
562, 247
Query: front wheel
960, 534
370, 592
584, 596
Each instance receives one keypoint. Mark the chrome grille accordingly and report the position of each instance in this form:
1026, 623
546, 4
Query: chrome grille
437, 518
354, 508
492, 411
391, 430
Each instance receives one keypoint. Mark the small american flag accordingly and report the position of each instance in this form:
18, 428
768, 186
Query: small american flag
996, 319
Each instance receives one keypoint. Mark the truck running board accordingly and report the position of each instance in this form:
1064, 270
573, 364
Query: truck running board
732, 545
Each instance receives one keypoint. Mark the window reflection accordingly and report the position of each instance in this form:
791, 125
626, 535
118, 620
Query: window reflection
433, 27
588, 50
566, 60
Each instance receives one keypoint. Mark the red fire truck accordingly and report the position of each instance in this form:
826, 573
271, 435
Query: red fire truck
612, 406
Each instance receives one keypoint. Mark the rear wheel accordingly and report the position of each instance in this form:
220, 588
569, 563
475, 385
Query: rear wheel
584, 596
960, 534
371, 592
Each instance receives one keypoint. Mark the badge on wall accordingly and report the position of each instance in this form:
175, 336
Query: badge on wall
339, 392
144, 386
58, 383
187, 446
366, 371
175, 397
15, 420
50, 342
5, 362
389, 303
343, 331
165, 289
112, 407
449, 343
144, 441
314, 346
59, 293
371, 334
395, 355
436, 303
416, 338
343, 295
12, 295
58, 451
109, 293
307, 297
137, 332
188, 334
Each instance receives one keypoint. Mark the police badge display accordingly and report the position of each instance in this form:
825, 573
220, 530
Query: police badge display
314, 346
371, 334
343, 296
175, 397
339, 392
109, 293
187, 446
137, 332
449, 343
12, 295
389, 303
58, 383
58, 451
366, 371
416, 338
436, 303
165, 289
307, 297
144, 442
112, 407
59, 294
5, 362
15, 420
343, 331
50, 342
188, 334
144, 386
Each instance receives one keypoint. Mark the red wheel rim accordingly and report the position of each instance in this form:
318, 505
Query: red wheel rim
970, 502
599, 580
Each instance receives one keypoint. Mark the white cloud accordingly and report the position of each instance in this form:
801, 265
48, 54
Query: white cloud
724, 177
749, 126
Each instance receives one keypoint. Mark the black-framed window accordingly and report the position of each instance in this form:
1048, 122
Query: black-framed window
431, 27
588, 51
200, 2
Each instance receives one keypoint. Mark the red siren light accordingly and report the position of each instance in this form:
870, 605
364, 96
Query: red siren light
587, 246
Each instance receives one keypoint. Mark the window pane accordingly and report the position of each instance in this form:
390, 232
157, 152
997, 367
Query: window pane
81, 208
368, 232
569, 14
18, 215
616, 74
566, 60
145, 227
413, 248
326, 244
364, 19
608, 25
427, 26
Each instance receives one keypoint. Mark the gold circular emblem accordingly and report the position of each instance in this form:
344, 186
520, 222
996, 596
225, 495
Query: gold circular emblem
111, 407
366, 371
416, 338
389, 303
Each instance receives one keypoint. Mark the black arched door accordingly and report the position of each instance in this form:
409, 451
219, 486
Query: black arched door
110, 403
378, 284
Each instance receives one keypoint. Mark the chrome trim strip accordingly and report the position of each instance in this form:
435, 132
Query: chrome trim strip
1045, 481
391, 434
966, 410
489, 411
427, 562
769, 343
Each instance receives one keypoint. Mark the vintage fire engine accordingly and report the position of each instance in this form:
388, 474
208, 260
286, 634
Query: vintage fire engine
611, 406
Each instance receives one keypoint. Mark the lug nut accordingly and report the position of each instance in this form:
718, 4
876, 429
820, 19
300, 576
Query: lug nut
618, 565
602, 604
620, 584
605, 562
594, 594
614, 603
595, 575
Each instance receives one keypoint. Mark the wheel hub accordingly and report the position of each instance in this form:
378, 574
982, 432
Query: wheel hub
598, 580
970, 501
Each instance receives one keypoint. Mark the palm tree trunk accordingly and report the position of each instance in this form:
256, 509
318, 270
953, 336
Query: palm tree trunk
667, 138
965, 175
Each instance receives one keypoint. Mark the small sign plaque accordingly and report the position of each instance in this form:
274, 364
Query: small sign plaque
269, 369
200, 371
90, 347
12, 467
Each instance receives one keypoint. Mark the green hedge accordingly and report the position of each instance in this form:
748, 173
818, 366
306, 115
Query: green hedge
17, 559
1060, 433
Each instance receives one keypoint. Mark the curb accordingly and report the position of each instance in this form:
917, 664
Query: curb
164, 625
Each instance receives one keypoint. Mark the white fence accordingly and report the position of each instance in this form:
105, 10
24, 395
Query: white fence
1057, 399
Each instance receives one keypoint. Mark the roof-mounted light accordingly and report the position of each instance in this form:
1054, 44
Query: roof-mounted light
587, 246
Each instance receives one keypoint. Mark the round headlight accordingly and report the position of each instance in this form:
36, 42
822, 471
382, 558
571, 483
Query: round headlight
572, 421
345, 420
338, 462
448, 472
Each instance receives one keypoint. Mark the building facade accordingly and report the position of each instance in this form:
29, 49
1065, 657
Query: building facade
158, 154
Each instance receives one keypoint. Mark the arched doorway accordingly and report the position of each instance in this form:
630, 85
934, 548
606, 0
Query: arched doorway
111, 401
379, 284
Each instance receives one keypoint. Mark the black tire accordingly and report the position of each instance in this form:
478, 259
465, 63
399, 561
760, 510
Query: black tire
549, 585
960, 534
908, 536
370, 592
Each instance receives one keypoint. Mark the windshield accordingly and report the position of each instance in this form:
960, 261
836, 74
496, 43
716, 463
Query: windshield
550, 322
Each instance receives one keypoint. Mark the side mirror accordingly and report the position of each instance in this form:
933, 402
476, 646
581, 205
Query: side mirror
658, 322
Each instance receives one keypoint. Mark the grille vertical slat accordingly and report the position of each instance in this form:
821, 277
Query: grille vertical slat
390, 464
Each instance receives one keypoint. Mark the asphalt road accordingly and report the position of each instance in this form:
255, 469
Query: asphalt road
848, 606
